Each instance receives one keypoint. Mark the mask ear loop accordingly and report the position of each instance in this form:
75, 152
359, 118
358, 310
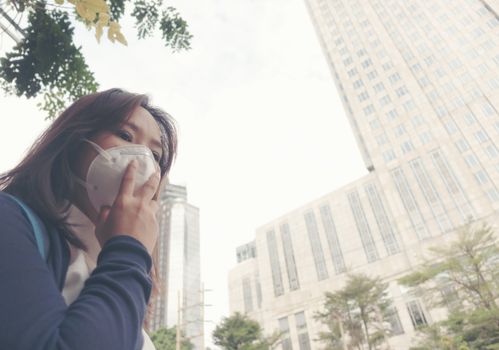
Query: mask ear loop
99, 149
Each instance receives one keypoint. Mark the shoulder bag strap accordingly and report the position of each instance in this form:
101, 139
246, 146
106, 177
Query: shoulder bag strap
37, 226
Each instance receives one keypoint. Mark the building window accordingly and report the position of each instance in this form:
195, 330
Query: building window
410, 203
367, 63
389, 155
274, 264
462, 145
285, 338
425, 137
247, 295
469, 118
407, 147
372, 75
374, 124
385, 100
332, 239
369, 109
399, 130
357, 84
452, 185
394, 320
471, 160
424, 81
481, 136
301, 329
381, 139
394, 78
451, 127
289, 257
363, 96
491, 151
384, 225
387, 66
417, 314
401, 91
315, 243
409, 105
481, 177
488, 110
347, 61
431, 195
417, 120
379, 87
493, 195
392, 114
258, 290
363, 227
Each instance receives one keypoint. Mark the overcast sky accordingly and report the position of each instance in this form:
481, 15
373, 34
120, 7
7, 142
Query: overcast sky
262, 129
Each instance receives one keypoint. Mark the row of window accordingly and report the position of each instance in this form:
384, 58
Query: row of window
384, 227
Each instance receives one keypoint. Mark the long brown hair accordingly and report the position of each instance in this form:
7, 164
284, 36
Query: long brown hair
43, 179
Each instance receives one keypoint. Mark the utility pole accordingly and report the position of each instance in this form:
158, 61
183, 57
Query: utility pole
179, 313
202, 311
183, 321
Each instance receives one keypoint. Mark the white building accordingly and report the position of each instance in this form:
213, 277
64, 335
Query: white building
420, 85
179, 267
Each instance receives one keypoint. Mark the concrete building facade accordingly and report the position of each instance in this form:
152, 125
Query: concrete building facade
179, 267
419, 81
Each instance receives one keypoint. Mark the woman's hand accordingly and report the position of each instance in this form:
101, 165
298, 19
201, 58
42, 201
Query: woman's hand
132, 214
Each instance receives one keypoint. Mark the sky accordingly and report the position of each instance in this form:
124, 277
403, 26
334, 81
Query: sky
261, 127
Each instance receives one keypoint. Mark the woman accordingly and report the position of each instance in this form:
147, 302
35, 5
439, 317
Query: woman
92, 181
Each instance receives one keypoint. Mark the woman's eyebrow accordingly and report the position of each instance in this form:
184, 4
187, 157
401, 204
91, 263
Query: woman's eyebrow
137, 129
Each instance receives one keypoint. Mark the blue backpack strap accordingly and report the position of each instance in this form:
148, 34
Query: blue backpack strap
37, 226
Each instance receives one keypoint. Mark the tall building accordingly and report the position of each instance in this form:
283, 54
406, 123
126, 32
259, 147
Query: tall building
419, 81
179, 267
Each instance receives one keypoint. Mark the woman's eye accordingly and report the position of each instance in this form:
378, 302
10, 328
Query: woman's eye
125, 135
156, 156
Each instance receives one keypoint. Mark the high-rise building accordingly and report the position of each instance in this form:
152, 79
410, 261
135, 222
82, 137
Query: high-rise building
179, 268
419, 81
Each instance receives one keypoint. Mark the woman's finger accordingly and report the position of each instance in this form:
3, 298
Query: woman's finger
150, 188
128, 181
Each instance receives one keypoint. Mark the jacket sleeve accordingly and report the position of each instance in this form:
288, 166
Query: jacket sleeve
108, 314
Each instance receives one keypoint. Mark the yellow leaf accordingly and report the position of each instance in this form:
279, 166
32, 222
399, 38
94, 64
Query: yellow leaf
84, 12
121, 38
98, 32
59, 2
103, 18
114, 33
96, 5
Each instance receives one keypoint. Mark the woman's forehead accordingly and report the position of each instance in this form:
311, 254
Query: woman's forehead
143, 120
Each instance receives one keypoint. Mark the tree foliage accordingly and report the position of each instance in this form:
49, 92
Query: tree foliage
463, 277
355, 314
239, 332
47, 63
166, 339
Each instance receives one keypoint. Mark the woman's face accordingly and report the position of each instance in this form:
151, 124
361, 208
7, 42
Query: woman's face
140, 128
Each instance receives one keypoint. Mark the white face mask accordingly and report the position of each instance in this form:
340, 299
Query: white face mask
107, 169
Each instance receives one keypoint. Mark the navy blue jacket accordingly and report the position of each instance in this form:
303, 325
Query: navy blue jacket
107, 315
